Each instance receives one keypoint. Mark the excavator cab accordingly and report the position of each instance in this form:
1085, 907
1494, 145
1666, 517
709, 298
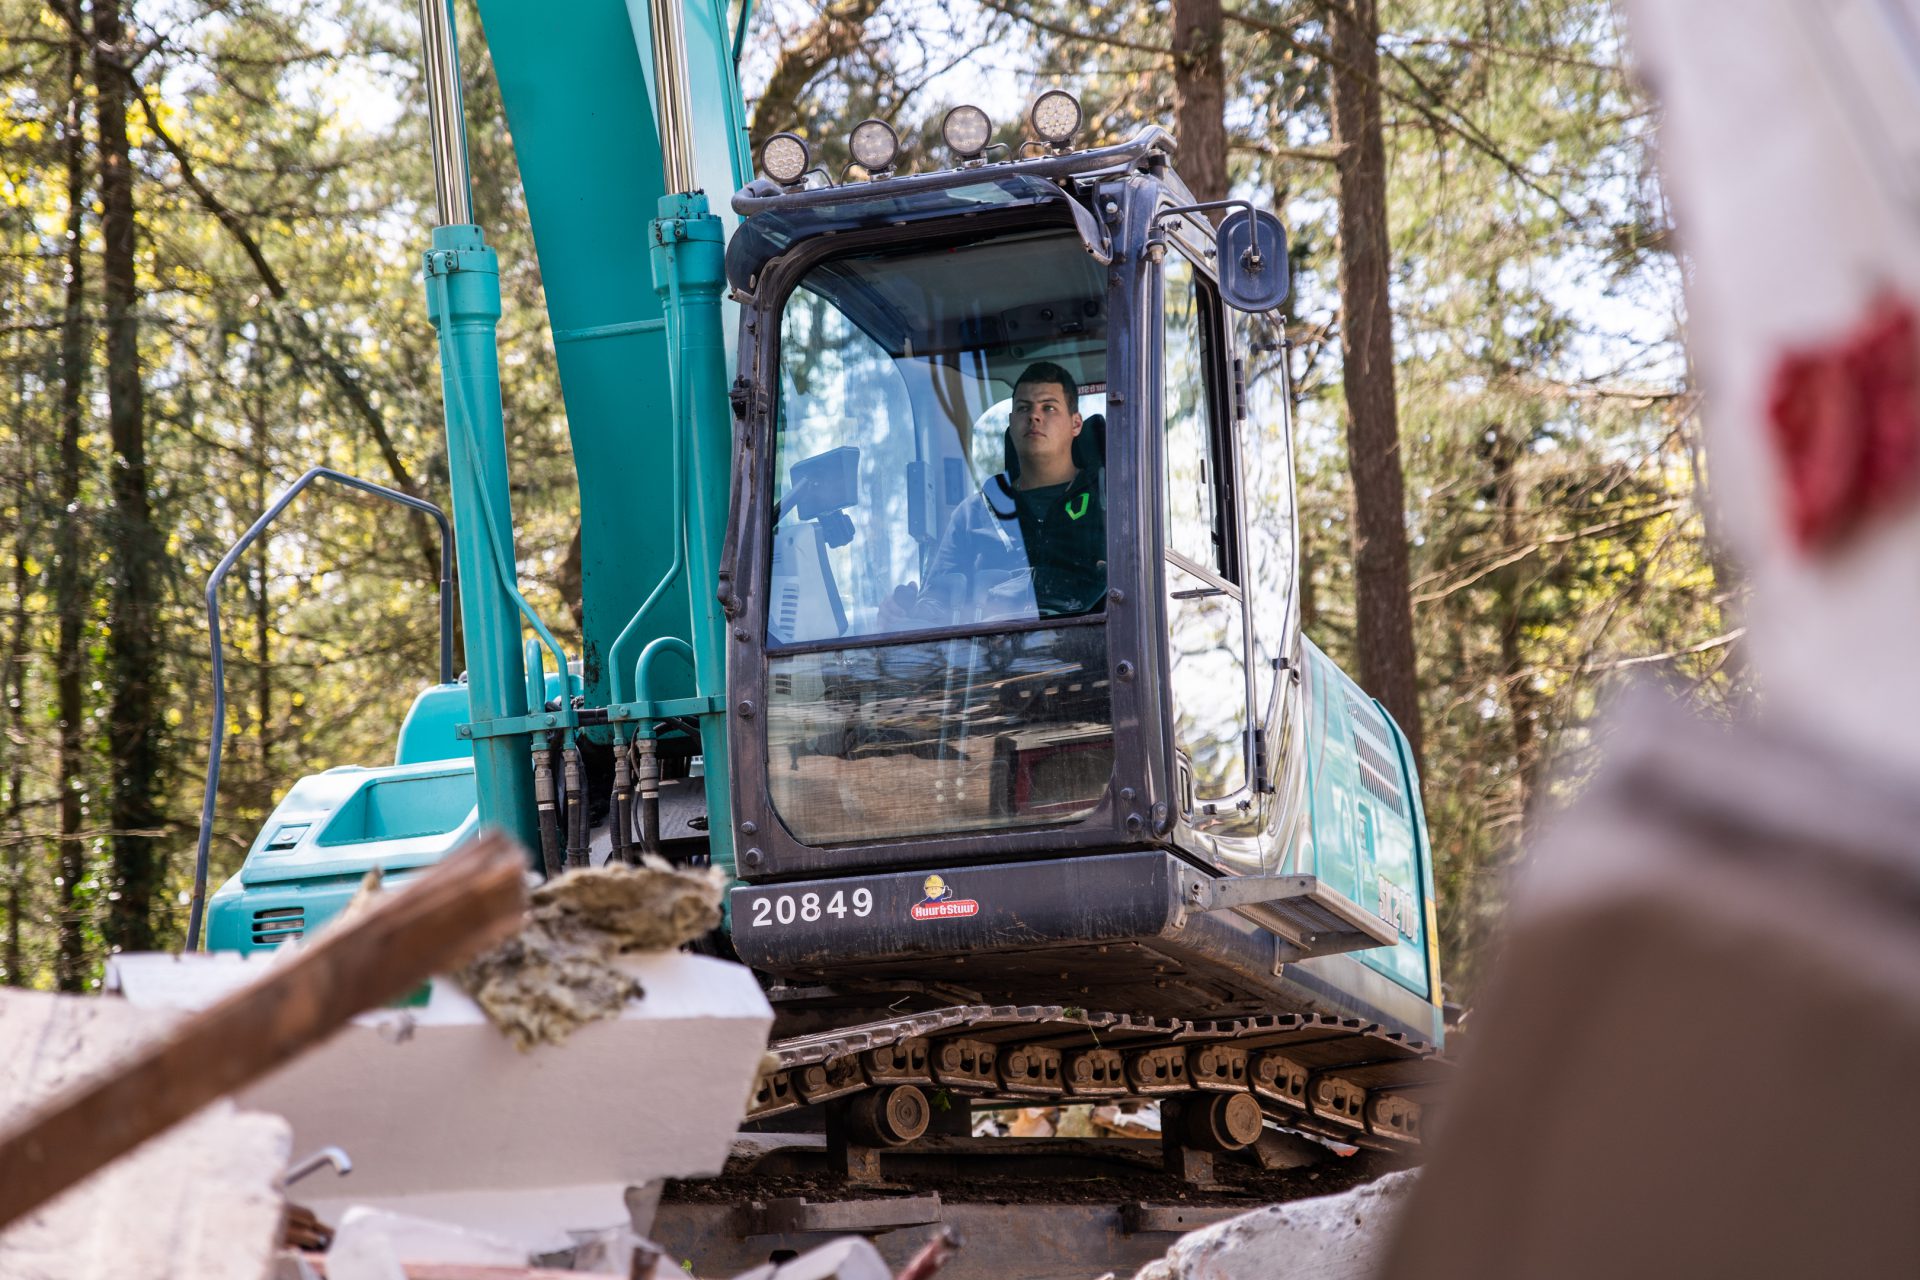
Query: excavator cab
1004, 738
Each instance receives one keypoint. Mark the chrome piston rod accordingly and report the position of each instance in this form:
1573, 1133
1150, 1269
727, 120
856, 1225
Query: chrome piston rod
676, 107
452, 188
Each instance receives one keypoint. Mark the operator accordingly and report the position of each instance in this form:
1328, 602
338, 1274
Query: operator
1032, 542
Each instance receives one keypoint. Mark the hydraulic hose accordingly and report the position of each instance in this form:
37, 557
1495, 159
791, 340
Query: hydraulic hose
622, 804
647, 781
574, 780
545, 802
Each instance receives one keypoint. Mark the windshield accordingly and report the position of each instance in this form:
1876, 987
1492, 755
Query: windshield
939, 464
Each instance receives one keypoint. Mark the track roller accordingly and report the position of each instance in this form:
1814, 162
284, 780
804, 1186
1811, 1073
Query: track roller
834, 1078
902, 1063
1217, 1066
1156, 1071
1339, 1100
1221, 1121
1096, 1073
773, 1093
890, 1117
1279, 1077
966, 1063
1390, 1115
1030, 1068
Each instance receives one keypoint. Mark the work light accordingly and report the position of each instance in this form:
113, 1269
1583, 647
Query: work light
1056, 117
783, 157
967, 131
874, 145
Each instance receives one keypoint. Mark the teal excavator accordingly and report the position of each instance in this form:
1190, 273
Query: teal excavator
985, 834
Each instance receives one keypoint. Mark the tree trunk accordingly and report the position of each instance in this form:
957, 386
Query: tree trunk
1383, 598
133, 650
13, 688
1200, 97
69, 592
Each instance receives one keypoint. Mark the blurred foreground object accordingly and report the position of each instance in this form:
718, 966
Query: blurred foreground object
1696, 1056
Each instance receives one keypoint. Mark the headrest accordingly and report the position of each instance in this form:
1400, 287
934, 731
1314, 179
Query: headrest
1089, 447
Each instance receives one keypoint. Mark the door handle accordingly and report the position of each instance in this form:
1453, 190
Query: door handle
1199, 593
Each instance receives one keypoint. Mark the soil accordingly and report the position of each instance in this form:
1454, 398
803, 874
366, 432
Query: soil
1236, 1182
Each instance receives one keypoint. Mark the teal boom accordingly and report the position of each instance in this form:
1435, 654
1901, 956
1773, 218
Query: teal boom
580, 103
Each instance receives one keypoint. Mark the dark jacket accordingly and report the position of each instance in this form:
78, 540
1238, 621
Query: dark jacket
1011, 553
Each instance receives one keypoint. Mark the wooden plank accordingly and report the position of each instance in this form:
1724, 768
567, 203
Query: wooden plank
472, 899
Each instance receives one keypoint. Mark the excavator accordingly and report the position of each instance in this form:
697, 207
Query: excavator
996, 827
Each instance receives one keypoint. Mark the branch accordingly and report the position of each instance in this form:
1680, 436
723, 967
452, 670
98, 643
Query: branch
1068, 33
1705, 646
1540, 544
1469, 132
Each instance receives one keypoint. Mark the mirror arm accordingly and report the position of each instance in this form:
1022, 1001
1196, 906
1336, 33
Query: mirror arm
1255, 260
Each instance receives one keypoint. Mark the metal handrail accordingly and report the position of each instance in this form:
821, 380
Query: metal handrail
217, 739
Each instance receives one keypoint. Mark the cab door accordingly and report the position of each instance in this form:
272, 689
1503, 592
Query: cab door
1270, 557
1205, 606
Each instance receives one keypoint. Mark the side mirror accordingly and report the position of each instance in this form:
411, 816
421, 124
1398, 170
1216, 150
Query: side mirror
1254, 272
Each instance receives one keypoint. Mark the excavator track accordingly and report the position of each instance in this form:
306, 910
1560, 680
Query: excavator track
1341, 1078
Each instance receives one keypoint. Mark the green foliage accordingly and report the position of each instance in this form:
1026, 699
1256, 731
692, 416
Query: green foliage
300, 124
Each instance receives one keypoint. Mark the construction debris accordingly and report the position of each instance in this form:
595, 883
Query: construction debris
562, 970
199, 1202
1341, 1237
460, 906
373, 1244
444, 1118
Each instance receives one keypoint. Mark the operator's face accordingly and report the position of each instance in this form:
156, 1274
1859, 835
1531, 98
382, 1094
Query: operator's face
1043, 429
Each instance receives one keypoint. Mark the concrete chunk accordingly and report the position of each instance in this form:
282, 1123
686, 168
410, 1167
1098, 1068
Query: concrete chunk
1341, 1237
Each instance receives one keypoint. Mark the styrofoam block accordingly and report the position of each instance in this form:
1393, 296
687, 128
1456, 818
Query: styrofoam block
435, 1102
368, 1242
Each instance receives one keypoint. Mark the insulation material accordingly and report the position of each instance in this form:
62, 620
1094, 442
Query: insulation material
560, 972
200, 1202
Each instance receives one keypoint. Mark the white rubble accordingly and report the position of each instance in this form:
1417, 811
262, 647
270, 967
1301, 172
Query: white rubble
373, 1244
1341, 1237
200, 1202
445, 1119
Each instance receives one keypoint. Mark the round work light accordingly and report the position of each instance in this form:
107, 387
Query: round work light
1056, 117
874, 145
967, 131
784, 157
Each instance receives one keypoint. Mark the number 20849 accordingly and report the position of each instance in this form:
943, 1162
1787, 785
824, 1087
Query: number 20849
809, 907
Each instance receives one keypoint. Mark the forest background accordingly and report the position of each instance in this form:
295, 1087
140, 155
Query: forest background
211, 215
